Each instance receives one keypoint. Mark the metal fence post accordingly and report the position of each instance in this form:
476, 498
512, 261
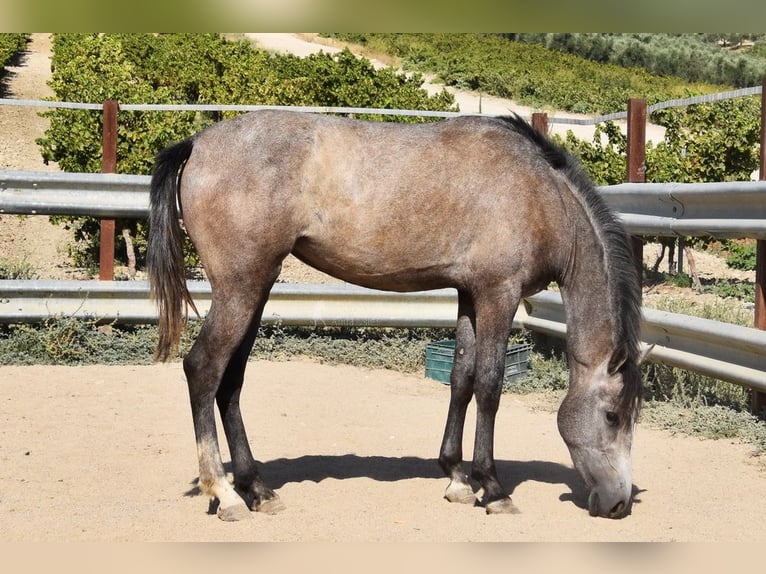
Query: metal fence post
759, 398
108, 165
636, 161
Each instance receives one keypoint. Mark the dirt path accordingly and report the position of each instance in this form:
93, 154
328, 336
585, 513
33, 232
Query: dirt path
32, 241
107, 454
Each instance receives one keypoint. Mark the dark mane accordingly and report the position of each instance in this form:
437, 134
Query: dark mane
622, 275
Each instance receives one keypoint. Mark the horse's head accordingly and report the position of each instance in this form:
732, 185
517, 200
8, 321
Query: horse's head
596, 421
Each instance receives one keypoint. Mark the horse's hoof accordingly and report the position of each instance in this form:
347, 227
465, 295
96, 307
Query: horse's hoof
502, 506
460, 492
270, 505
234, 513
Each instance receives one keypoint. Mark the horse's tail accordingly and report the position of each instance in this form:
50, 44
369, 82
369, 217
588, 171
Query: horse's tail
165, 255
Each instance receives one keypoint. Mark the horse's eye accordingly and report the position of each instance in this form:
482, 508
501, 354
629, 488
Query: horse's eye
612, 419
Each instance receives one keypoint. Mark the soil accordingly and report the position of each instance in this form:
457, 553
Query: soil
107, 453
34, 240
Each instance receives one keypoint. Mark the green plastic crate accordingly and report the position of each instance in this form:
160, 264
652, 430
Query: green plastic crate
441, 354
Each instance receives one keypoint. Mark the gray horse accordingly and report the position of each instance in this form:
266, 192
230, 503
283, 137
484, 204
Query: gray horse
487, 206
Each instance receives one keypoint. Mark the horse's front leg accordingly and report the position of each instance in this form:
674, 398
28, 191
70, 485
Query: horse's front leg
461, 391
493, 330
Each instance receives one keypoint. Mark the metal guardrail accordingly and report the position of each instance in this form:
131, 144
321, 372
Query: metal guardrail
676, 103
721, 350
289, 304
726, 352
723, 210
59, 193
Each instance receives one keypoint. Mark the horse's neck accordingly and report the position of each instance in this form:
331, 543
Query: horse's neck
586, 295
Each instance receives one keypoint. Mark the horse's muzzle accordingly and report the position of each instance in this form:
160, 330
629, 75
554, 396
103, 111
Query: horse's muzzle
606, 507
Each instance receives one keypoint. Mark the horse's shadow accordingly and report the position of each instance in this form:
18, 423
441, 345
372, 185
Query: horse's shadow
315, 468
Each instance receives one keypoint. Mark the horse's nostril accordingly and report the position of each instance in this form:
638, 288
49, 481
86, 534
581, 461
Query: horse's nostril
617, 510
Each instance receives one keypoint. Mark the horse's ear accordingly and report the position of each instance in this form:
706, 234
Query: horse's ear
644, 354
619, 356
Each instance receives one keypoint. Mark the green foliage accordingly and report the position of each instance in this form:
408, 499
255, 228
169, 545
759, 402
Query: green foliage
691, 57
726, 311
691, 151
95, 68
741, 255
71, 341
10, 45
703, 143
731, 288
547, 372
685, 388
713, 422
706, 142
527, 73
191, 69
16, 269
381, 348
604, 157
680, 280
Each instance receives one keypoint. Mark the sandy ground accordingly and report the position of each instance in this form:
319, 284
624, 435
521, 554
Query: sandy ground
31, 240
108, 454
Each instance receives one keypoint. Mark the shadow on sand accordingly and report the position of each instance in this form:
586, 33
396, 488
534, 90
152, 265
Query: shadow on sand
315, 468
6, 76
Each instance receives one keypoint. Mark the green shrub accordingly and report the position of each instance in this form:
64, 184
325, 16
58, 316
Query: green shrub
692, 57
527, 73
725, 310
713, 422
10, 45
732, 288
741, 255
17, 269
72, 341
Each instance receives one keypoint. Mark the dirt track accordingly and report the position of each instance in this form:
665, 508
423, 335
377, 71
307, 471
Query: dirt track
108, 454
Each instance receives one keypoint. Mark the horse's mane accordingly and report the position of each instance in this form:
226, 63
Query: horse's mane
624, 285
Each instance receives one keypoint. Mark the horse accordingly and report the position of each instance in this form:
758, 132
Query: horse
485, 205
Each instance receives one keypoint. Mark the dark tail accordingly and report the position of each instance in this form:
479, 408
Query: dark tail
165, 256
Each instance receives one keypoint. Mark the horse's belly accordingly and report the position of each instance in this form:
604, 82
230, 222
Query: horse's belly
384, 269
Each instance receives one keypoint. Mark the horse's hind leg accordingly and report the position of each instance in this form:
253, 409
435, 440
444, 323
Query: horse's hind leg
461, 390
247, 479
229, 322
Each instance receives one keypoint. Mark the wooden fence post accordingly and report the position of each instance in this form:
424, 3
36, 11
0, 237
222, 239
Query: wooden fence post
636, 161
759, 398
540, 122
108, 165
